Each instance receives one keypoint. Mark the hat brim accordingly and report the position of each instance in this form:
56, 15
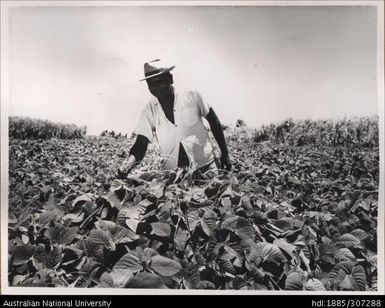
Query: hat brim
159, 73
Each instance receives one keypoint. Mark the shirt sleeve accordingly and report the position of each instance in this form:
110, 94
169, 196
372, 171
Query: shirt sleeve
203, 107
145, 125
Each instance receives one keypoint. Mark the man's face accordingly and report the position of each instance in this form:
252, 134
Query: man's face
160, 85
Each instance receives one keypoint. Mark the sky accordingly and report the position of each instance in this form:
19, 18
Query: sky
261, 64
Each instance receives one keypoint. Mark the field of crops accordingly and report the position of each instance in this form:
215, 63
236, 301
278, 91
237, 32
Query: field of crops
27, 128
289, 216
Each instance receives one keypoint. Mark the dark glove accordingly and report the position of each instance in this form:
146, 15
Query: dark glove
226, 162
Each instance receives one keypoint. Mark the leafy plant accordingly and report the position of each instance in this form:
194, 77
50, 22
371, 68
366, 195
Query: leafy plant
293, 214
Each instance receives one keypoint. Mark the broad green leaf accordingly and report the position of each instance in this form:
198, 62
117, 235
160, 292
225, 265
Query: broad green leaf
206, 229
156, 189
347, 240
132, 224
234, 250
246, 202
230, 223
310, 234
226, 202
244, 227
359, 276
294, 281
12, 218
314, 285
54, 257
180, 239
145, 280
116, 185
344, 254
89, 267
361, 206
125, 268
50, 259
89, 207
19, 279
59, 234
347, 284
284, 245
327, 250
72, 218
226, 266
326, 216
285, 223
148, 253
106, 281
359, 234
80, 200
192, 276
227, 191
114, 199
165, 266
25, 238
195, 197
161, 229
91, 249
259, 275
22, 253
163, 214
341, 208
339, 271
239, 283
254, 256
143, 205
209, 218
101, 237
105, 225
122, 235
271, 252
206, 285
130, 211
192, 219
47, 216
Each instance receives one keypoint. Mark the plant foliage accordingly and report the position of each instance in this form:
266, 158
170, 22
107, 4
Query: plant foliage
285, 218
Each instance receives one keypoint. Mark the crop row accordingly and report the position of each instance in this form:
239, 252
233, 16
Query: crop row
27, 128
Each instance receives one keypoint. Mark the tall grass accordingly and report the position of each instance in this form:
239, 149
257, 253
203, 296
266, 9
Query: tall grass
362, 131
27, 128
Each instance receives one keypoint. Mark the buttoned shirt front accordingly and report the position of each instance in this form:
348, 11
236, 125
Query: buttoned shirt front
188, 130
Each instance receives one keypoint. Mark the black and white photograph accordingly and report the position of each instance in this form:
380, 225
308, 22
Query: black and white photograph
192, 147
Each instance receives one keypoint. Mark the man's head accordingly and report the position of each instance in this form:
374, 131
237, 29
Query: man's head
160, 85
158, 77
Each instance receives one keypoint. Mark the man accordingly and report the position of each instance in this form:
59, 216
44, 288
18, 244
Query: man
174, 120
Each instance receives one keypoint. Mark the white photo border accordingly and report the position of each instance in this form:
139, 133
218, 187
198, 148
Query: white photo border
5, 9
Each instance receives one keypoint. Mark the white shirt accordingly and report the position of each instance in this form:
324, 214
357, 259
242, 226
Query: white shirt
188, 129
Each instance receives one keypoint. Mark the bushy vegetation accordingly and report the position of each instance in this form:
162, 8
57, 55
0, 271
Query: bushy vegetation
26, 128
287, 217
347, 132
112, 134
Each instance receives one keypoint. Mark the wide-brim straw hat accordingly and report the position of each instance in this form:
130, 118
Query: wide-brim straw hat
156, 68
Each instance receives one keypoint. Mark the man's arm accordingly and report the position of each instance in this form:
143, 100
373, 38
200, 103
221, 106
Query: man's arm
137, 152
216, 128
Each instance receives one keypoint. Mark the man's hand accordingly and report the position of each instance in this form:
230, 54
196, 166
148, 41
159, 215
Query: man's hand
123, 171
126, 168
226, 162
